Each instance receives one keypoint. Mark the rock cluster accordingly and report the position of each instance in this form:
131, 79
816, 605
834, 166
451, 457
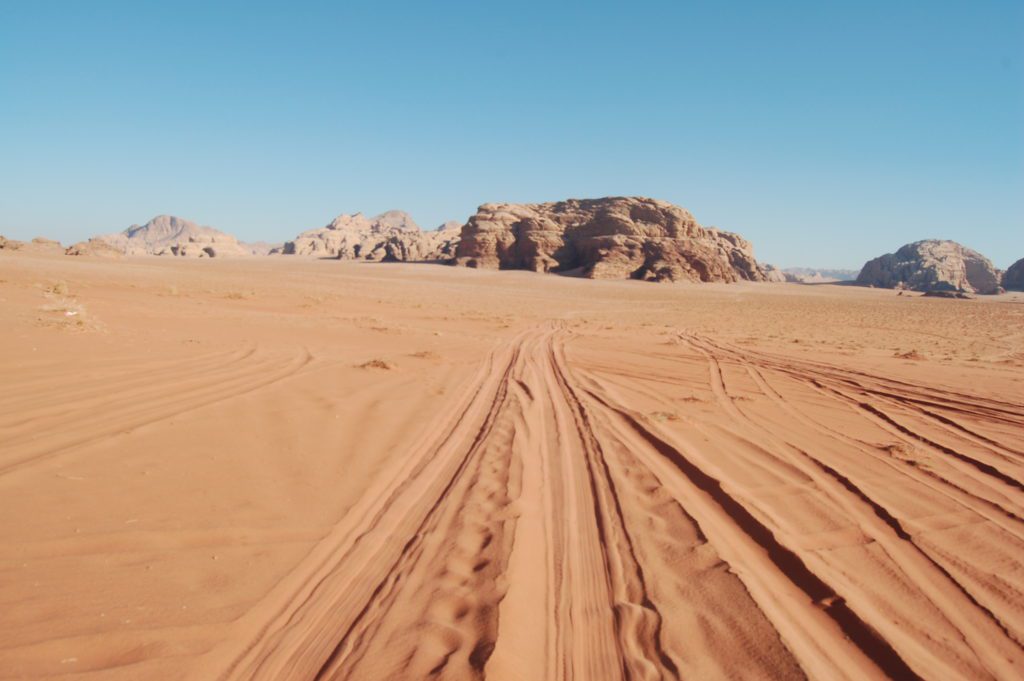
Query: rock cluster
170, 235
95, 247
932, 265
40, 244
1013, 277
389, 237
608, 238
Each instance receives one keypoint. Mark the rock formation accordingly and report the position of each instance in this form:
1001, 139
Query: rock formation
95, 247
40, 244
1013, 277
170, 235
609, 238
774, 274
932, 265
388, 237
809, 275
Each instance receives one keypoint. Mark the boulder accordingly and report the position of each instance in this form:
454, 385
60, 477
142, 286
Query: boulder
932, 265
608, 238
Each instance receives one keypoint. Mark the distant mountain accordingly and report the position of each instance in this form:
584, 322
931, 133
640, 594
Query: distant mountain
170, 235
390, 236
810, 275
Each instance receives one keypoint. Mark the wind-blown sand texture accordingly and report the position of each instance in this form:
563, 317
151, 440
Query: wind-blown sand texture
293, 469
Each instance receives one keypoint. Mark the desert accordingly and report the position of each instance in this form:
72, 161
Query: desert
522, 341
296, 468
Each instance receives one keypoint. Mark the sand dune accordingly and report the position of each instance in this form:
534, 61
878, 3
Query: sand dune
299, 469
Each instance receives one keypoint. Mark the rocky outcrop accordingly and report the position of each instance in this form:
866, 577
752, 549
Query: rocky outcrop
389, 237
1013, 277
932, 265
39, 244
94, 247
609, 238
170, 235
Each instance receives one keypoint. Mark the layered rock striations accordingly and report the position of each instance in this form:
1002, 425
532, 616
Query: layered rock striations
608, 238
932, 265
389, 237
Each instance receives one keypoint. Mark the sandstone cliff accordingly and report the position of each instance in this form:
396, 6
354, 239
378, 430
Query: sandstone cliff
932, 265
609, 238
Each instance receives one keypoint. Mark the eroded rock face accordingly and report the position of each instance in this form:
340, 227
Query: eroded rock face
170, 235
609, 238
1013, 277
389, 237
932, 265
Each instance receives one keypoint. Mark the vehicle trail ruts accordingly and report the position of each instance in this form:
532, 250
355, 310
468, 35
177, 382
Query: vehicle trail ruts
118, 397
87, 380
448, 629
924, 476
543, 527
979, 626
638, 621
1007, 489
828, 639
167, 401
304, 623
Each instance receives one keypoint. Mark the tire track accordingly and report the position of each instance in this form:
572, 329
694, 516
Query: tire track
979, 627
72, 434
543, 528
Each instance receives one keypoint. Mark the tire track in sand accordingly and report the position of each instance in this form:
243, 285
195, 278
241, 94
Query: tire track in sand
544, 529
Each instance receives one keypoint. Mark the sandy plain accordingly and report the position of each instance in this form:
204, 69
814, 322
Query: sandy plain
282, 468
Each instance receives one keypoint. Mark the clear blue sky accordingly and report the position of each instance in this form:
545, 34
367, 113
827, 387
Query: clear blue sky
824, 132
